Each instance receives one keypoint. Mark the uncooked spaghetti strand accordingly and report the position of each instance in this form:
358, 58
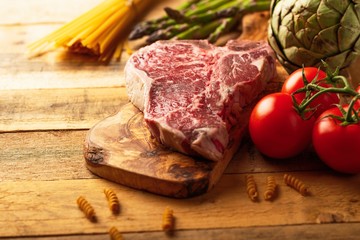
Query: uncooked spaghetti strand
118, 51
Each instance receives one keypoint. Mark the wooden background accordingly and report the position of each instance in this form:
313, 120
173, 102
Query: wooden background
48, 104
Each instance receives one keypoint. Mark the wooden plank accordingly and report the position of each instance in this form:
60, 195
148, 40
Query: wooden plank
49, 208
51, 155
55, 11
55, 70
27, 156
49, 109
349, 231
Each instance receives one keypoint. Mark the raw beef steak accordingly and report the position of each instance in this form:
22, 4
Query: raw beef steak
193, 93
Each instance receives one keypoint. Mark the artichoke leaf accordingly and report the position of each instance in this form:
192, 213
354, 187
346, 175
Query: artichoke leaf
306, 6
286, 7
326, 42
326, 16
287, 38
347, 38
338, 5
349, 30
357, 45
312, 22
309, 32
288, 22
350, 18
299, 23
275, 21
302, 56
357, 10
342, 59
274, 44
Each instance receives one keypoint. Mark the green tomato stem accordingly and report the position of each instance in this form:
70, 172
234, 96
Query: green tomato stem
345, 90
349, 116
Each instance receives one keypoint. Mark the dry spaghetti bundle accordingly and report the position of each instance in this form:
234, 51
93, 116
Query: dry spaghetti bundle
99, 32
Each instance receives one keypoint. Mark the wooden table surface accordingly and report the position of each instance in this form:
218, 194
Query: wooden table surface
47, 106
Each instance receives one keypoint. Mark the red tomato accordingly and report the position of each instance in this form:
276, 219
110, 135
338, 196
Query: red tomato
338, 146
276, 128
295, 82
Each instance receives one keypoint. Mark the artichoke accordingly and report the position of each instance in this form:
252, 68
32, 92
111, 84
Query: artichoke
305, 32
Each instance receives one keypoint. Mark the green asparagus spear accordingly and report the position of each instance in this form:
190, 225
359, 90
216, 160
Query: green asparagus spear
198, 31
203, 17
224, 27
168, 33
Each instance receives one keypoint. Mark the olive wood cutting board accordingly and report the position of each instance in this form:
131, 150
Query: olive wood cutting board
120, 148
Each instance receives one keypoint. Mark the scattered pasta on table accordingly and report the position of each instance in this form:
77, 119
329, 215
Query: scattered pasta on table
251, 188
113, 200
86, 208
296, 184
168, 220
115, 234
270, 191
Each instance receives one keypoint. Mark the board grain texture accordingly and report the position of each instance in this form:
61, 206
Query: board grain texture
48, 105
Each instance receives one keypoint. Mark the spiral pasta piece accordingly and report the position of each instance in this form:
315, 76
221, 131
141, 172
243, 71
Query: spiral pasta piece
115, 234
251, 188
168, 220
270, 188
296, 184
86, 208
113, 200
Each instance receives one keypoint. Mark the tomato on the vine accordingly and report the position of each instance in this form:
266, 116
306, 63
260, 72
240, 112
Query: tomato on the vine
276, 129
337, 146
295, 82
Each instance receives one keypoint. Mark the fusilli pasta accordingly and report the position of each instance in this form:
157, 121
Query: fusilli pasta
86, 207
296, 184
